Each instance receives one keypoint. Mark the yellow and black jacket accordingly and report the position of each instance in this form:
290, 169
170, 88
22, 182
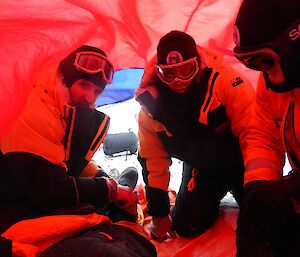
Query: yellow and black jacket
204, 127
46, 150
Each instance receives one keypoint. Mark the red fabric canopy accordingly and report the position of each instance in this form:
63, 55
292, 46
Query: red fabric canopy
37, 34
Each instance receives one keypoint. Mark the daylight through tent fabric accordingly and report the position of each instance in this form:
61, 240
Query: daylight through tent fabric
37, 34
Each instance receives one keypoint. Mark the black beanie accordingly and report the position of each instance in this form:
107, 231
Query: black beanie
71, 74
176, 41
262, 21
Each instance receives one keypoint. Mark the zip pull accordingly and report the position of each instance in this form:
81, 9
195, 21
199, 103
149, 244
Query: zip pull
192, 183
107, 236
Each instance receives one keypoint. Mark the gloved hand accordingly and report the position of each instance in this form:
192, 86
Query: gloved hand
122, 196
160, 227
126, 199
269, 198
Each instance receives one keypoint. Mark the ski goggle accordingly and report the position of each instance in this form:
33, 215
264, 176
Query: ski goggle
92, 63
184, 71
261, 59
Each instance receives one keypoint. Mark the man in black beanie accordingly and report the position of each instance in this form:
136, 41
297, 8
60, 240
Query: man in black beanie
91, 65
195, 109
267, 37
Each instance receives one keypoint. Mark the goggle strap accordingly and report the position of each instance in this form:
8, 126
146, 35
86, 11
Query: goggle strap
175, 65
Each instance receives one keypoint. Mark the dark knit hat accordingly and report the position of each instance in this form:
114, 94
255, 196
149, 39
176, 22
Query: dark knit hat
262, 21
176, 41
71, 74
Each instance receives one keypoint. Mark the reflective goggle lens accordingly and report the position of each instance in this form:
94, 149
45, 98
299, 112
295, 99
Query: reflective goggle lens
92, 63
184, 70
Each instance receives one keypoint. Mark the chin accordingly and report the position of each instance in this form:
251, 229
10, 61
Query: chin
180, 88
275, 80
182, 91
279, 86
84, 106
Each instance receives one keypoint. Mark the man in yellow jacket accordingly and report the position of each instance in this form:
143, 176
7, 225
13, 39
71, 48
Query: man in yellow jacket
267, 37
45, 161
195, 109
48, 181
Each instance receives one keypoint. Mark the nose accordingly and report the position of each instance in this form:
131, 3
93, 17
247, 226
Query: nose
89, 98
276, 75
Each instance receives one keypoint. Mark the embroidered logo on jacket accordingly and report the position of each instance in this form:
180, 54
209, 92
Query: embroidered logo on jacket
237, 81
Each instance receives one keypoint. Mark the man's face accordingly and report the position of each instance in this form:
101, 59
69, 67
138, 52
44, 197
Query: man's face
84, 94
179, 86
265, 60
278, 58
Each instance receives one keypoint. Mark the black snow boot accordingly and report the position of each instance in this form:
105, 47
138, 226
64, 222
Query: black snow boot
129, 177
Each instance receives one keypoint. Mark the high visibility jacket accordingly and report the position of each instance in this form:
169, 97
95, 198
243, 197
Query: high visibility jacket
45, 151
273, 130
90, 235
203, 126
31, 237
48, 125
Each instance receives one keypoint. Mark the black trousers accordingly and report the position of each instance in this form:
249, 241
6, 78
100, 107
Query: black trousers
105, 240
196, 211
269, 223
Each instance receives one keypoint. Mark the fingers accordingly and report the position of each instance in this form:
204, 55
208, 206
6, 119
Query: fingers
158, 239
170, 234
130, 208
127, 200
160, 228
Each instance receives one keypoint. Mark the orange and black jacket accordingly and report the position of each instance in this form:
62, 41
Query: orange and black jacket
204, 127
273, 131
45, 151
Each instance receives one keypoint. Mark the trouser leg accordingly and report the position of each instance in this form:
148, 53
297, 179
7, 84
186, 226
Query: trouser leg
249, 239
196, 211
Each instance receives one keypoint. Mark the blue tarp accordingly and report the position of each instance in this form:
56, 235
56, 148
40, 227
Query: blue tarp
123, 86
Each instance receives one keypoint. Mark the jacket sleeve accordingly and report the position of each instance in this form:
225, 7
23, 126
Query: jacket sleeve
47, 186
237, 95
155, 162
264, 156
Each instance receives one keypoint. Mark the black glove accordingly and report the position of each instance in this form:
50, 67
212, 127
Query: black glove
270, 200
266, 195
